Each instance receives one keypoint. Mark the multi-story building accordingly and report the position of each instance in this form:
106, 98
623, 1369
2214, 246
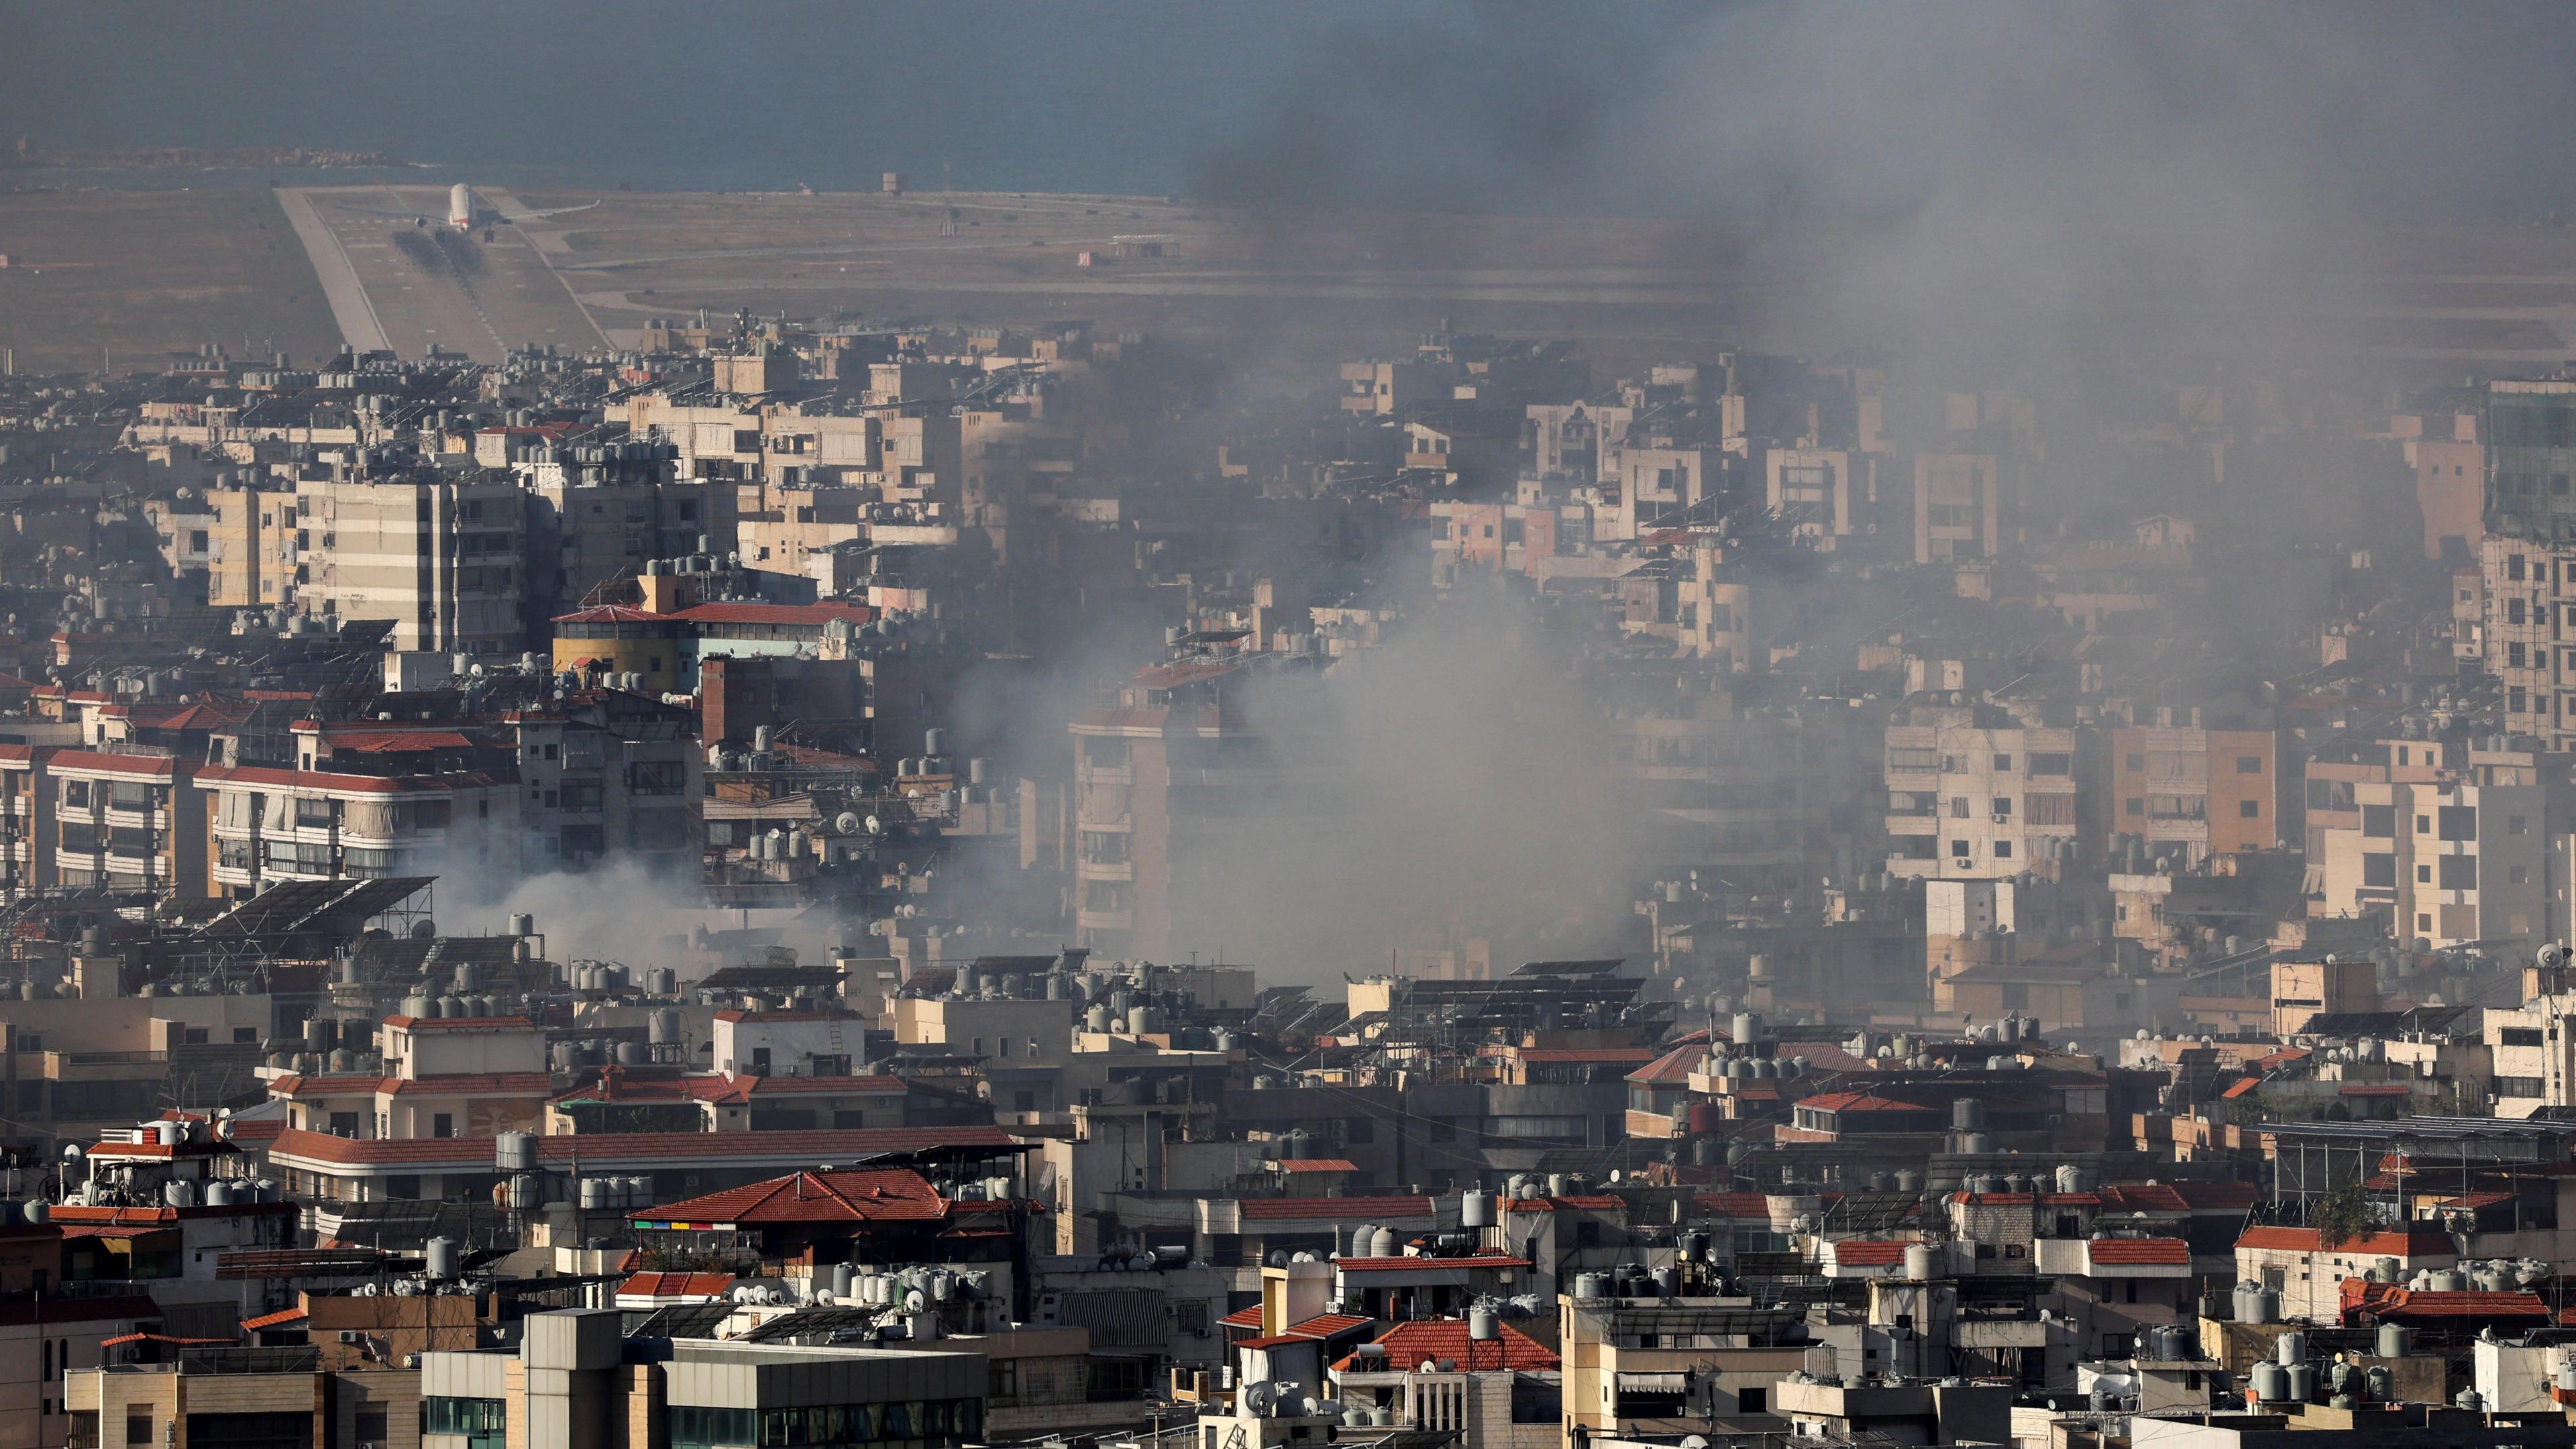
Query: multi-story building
2201, 792
2461, 859
2530, 438
2529, 635
1970, 801
27, 832
1811, 489
608, 772
243, 535
270, 823
569, 1383
1958, 508
1150, 774
129, 822
598, 512
442, 556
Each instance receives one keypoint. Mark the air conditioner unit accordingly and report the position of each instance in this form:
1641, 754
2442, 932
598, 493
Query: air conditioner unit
351, 1335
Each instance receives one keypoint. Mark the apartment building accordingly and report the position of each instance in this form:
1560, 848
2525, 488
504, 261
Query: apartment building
569, 1383
27, 832
1151, 774
1717, 612
269, 824
2451, 861
442, 558
608, 773
1968, 801
592, 522
2530, 436
2196, 792
2337, 769
127, 822
1811, 490
1958, 507
1570, 440
1646, 487
242, 535
2528, 635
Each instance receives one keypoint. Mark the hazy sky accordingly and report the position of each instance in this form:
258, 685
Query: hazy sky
1455, 104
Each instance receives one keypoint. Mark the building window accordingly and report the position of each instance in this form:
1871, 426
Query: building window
484, 1423
2249, 809
138, 1428
2249, 764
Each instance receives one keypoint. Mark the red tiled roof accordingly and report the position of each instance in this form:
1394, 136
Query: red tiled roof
1673, 1066
394, 742
2171, 1251
1362, 1209
1329, 1325
2239, 1088
1408, 1344
158, 767
1860, 1102
867, 1195
341, 783
2412, 1243
125, 1338
1242, 1318
2473, 1200
676, 1285
278, 1319
1733, 1204
1317, 1164
1392, 1265
461, 1023
1276, 1340
2387, 1300
614, 614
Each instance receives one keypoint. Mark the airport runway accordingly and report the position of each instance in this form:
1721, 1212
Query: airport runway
358, 325
399, 277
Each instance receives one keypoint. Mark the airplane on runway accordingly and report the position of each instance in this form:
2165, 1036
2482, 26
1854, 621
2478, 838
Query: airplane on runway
463, 211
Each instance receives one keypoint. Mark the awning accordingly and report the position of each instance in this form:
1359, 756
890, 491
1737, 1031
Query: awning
1655, 1383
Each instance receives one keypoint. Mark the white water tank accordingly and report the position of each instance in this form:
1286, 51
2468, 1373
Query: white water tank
1921, 1262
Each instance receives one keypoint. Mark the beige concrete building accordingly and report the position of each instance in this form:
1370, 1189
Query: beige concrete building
1958, 507
1811, 489
1972, 802
2449, 862
440, 557
244, 1398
